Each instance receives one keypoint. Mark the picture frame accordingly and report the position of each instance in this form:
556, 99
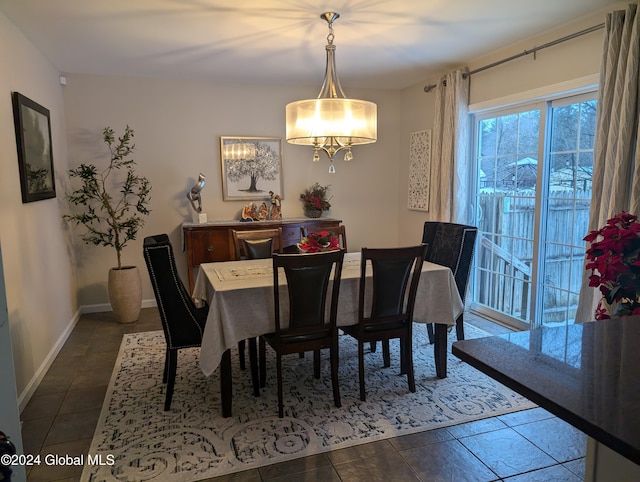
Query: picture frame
35, 153
251, 167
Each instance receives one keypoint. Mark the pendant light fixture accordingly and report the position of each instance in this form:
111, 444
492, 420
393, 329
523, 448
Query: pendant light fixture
331, 123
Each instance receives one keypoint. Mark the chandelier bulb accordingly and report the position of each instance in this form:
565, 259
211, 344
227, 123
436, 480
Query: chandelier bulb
316, 156
332, 169
348, 156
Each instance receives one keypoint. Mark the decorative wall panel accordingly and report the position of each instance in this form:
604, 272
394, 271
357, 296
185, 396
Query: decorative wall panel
419, 170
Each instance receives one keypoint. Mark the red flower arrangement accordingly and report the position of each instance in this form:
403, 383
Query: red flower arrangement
315, 198
319, 241
614, 262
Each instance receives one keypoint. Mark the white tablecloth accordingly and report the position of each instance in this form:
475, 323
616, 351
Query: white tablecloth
240, 297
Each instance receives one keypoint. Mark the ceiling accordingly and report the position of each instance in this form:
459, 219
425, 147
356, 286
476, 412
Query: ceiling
388, 44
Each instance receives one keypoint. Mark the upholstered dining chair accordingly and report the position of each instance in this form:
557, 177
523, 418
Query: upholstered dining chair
254, 244
451, 245
387, 313
339, 231
307, 329
182, 322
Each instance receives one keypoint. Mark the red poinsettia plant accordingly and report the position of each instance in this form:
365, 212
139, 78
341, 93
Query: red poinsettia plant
614, 261
319, 241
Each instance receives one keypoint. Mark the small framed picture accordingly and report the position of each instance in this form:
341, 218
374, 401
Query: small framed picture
251, 167
35, 153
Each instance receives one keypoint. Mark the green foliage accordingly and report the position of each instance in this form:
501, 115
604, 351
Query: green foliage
113, 209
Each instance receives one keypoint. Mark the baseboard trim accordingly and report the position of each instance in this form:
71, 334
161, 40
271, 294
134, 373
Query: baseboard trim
29, 390
33, 384
106, 307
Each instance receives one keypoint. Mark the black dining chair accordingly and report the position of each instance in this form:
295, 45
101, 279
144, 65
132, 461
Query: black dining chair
451, 245
387, 312
182, 322
307, 329
254, 244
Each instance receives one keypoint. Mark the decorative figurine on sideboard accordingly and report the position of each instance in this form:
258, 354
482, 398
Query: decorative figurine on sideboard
276, 207
194, 197
249, 212
263, 213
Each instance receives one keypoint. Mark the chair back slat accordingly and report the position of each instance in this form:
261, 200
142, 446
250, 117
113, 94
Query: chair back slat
258, 248
307, 294
389, 285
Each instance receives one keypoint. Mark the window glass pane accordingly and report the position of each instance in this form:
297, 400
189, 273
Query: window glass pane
555, 303
505, 173
559, 219
487, 137
587, 124
528, 133
584, 174
564, 128
487, 174
507, 135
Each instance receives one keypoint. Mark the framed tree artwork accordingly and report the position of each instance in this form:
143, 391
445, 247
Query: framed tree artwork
35, 153
251, 167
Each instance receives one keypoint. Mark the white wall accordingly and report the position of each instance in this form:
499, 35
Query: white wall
177, 127
40, 283
574, 59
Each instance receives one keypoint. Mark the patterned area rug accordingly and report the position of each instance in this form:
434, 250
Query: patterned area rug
192, 441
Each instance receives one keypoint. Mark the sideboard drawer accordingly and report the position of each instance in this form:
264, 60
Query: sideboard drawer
208, 246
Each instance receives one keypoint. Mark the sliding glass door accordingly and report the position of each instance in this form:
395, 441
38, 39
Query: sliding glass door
533, 187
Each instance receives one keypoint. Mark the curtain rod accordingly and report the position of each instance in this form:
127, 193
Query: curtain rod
430, 87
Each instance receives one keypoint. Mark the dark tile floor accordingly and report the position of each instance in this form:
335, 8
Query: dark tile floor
527, 446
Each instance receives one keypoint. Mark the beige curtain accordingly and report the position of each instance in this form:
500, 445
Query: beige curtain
616, 164
448, 196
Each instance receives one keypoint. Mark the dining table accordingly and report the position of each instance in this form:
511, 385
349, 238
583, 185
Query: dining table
241, 306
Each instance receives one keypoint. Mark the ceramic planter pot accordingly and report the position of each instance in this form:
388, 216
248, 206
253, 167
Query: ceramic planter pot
125, 293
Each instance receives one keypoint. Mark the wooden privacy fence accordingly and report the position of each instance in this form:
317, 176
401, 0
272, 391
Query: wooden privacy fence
506, 247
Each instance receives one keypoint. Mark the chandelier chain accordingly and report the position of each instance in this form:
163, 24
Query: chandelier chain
330, 37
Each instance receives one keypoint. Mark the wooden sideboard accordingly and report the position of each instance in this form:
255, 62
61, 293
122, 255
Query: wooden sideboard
208, 242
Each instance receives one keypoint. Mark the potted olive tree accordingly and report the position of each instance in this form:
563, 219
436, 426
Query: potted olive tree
110, 204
